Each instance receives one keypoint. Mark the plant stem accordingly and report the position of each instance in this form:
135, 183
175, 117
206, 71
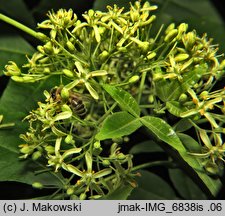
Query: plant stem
107, 113
22, 27
7, 125
151, 164
141, 88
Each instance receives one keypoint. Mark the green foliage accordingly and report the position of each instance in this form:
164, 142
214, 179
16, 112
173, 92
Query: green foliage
105, 79
185, 186
18, 10
145, 147
13, 48
171, 90
124, 99
117, 125
121, 193
163, 131
200, 15
11, 167
152, 187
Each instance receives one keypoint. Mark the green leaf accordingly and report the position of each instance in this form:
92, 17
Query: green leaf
121, 193
190, 143
124, 99
199, 14
17, 10
182, 125
175, 108
185, 185
146, 147
13, 48
168, 90
151, 187
14, 169
214, 185
163, 131
15, 104
117, 125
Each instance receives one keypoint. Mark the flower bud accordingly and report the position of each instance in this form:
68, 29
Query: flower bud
122, 49
41, 49
134, 79
83, 196
50, 149
70, 191
68, 73
36, 155
74, 197
26, 149
151, 55
170, 27
181, 57
181, 29
37, 185
171, 35
70, 46
104, 55
97, 145
65, 93
69, 139
144, 46
43, 60
97, 149
126, 139
48, 47
53, 34
106, 163
121, 156
189, 39
46, 70
24, 79
183, 98
134, 15
157, 76
12, 69
91, 12
204, 95
147, 22
151, 98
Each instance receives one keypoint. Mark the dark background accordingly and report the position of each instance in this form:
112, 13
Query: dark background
13, 190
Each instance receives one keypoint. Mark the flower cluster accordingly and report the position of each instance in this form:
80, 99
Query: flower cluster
59, 135
171, 71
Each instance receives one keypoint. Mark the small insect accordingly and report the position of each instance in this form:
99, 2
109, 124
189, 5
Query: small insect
74, 101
